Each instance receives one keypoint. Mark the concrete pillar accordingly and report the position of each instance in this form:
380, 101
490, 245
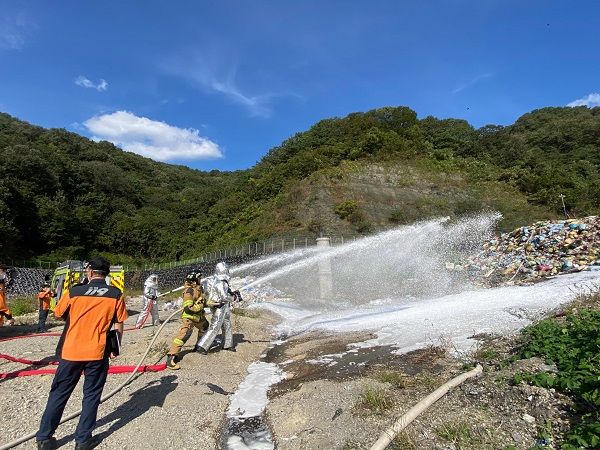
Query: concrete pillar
325, 277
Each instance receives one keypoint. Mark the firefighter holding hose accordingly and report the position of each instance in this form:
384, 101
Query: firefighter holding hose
219, 297
192, 317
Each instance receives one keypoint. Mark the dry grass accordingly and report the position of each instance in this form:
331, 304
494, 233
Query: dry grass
375, 400
160, 348
403, 441
459, 434
398, 380
586, 297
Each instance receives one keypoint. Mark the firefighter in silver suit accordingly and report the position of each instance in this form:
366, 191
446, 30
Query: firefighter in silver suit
218, 297
150, 302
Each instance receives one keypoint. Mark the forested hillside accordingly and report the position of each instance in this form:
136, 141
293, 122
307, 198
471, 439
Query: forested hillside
62, 195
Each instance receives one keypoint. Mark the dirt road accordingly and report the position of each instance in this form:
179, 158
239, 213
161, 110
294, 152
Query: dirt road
181, 409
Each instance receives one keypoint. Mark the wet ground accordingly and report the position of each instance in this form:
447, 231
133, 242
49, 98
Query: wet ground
318, 356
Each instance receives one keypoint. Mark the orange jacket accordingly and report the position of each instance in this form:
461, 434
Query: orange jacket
90, 310
3, 306
44, 297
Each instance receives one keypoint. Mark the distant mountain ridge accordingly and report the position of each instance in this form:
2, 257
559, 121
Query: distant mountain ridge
62, 195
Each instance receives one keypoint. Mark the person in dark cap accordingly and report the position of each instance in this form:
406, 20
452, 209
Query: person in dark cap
90, 310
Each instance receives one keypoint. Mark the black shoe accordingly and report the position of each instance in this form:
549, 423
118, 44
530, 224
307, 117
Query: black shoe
202, 351
87, 445
47, 444
172, 362
230, 349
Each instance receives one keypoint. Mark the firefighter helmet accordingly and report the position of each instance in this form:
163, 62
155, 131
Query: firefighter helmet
193, 277
222, 271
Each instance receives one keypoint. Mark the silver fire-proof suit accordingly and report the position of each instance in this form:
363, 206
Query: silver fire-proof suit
150, 302
216, 289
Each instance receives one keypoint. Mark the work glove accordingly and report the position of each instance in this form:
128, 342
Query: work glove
237, 296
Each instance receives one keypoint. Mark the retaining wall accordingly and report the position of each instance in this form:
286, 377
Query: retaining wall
27, 281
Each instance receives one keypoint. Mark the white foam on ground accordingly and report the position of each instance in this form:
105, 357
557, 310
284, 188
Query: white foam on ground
250, 399
408, 324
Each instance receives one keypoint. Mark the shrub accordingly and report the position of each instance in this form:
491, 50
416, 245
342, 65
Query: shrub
22, 305
398, 216
364, 227
574, 346
347, 209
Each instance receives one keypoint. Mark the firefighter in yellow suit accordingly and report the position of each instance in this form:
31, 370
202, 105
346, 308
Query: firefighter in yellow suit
192, 317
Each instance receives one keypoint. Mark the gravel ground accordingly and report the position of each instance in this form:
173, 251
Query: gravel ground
320, 405
325, 407
164, 410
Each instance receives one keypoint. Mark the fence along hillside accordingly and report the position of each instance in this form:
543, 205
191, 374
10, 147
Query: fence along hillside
171, 274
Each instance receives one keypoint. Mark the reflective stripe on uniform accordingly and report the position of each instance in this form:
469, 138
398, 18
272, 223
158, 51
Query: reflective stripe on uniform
194, 318
178, 342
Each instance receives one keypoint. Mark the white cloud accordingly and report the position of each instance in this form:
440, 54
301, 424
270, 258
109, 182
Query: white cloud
215, 71
13, 30
87, 83
474, 81
151, 138
258, 105
590, 101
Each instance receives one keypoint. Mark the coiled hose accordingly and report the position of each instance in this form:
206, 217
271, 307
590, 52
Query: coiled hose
105, 397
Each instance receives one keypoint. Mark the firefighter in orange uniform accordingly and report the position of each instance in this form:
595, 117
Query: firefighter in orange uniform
192, 317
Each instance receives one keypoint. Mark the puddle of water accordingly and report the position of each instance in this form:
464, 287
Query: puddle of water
251, 433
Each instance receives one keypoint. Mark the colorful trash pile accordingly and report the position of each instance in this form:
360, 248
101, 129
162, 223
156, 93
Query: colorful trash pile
535, 252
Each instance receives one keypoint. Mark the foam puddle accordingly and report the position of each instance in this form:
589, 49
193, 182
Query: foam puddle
246, 428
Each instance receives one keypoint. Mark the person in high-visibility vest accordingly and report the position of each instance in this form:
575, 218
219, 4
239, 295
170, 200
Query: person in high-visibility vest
192, 317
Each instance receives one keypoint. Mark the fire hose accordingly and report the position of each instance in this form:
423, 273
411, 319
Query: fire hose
388, 435
105, 397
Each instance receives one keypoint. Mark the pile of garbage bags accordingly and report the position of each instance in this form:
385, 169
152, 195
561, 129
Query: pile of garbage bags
535, 252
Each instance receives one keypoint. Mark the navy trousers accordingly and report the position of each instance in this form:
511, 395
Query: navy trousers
65, 380
42, 316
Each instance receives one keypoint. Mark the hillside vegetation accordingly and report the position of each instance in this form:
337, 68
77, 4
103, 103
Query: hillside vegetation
62, 195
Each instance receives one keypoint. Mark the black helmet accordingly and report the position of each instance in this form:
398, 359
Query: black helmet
193, 277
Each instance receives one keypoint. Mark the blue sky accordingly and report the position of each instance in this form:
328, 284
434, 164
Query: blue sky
216, 84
